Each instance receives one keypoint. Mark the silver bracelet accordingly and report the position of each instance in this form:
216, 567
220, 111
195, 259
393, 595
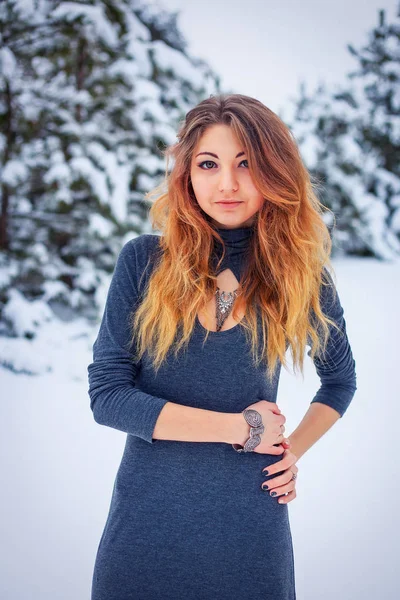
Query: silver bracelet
254, 419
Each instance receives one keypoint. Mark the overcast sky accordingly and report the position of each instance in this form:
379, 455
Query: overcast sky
263, 49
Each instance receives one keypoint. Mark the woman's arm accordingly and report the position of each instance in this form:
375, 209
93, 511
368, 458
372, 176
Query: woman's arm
114, 398
318, 420
336, 370
187, 424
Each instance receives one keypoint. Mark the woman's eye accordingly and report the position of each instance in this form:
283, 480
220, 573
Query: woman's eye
211, 162
206, 162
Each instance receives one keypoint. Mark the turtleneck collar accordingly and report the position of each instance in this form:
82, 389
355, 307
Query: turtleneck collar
239, 237
236, 242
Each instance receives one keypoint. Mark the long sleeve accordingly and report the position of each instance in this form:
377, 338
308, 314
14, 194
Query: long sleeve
336, 369
114, 399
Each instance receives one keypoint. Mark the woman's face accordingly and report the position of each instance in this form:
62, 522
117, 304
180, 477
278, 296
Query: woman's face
221, 172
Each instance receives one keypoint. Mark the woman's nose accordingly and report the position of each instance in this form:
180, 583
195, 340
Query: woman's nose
227, 181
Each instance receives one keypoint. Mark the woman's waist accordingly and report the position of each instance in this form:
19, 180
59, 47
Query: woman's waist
137, 449
191, 463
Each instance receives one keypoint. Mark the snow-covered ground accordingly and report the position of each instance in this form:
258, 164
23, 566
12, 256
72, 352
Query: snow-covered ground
59, 465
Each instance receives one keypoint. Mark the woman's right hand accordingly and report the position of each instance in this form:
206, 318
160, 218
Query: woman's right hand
272, 419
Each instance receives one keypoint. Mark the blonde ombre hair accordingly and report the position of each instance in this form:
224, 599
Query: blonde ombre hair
290, 247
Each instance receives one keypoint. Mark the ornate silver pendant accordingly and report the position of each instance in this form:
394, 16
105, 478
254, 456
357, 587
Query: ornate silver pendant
224, 304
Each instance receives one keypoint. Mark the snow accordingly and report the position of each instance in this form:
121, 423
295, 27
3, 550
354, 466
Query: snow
148, 161
169, 59
141, 63
148, 90
60, 465
87, 279
333, 151
58, 171
14, 172
98, 224
396, 222
126, 68
40, 251
8, 63
27, 316
93, 16
31, 9
83, 167
119, 174
137, 31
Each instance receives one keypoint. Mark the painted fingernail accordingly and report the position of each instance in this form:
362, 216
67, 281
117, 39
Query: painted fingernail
264, 488
273, 493
264, 472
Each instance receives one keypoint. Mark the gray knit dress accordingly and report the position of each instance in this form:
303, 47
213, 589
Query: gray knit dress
188, 520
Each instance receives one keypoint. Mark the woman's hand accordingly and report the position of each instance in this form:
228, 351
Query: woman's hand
273, 422
283, 487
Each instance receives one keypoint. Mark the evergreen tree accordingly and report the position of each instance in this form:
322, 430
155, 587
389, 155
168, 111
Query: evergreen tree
90, 92
349, 136
379, 71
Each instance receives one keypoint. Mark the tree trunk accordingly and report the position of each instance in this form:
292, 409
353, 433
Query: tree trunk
5, 195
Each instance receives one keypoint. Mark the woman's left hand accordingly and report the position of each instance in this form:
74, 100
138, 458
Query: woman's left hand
283, 487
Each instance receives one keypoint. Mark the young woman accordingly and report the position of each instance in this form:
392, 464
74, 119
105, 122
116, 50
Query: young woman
187, 362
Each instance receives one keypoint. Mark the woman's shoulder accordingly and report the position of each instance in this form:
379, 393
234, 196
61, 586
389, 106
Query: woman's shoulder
144, 242
142, 247
139, 255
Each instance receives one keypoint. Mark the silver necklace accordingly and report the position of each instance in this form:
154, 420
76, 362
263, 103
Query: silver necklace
224, 304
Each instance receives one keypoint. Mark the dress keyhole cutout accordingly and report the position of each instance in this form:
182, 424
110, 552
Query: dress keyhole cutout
227, 282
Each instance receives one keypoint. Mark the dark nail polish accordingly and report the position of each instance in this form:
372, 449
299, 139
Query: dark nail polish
273, 493
264, 488
264, 472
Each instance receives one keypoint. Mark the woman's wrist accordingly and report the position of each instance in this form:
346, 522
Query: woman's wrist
240, 429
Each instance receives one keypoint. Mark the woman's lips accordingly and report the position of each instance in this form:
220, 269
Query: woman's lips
229, 204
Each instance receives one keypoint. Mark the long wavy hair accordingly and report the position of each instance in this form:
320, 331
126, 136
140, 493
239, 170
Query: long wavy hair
290, 246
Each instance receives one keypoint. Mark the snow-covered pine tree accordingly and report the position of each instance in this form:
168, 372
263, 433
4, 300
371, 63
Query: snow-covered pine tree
90, 93
379, 74
322, 131
349, 137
